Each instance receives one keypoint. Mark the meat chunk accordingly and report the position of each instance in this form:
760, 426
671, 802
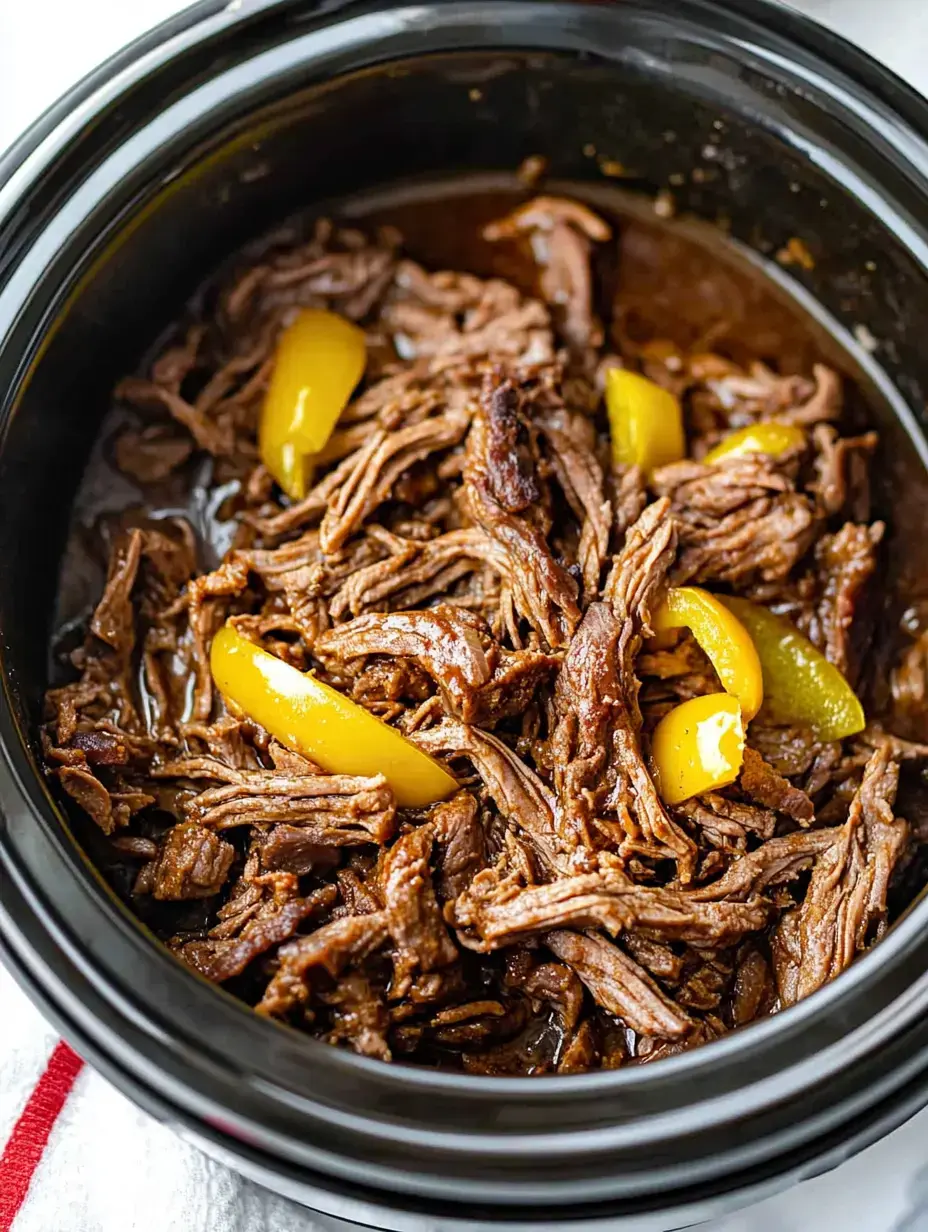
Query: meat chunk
170, 561
844, 908
761, 782
359, 1017
193, 863
292, 849
572, 444
605, 792
823, 404
151, 454
619, 985
727, 823
791, 751
560, 232
842, 467
227, 953
413, 915
754, 991
738, 520
489, 916
517, 791
441, 640
543, 591
776, 861
557, 985
333, 809
209, 435
113, 619
479, 681
510, 465
104, 748
85, 788
460, 844
455, 317
844, 564
334, 947
376, 467
416, 570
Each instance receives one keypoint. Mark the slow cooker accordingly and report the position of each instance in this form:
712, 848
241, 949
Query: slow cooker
112, 209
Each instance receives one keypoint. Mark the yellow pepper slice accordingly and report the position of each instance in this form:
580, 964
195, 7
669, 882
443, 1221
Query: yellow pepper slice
800, 685
645, 421
311, 718
698, 746
769, 437
320, 359
722, 636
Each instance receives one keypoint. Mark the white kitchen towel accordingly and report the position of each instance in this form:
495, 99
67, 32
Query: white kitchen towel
106, 1166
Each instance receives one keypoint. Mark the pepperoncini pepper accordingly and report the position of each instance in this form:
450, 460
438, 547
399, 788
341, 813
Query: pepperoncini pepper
722, 636
319, 360
311, 718
645, 421
698, 746
800, 685
769, 437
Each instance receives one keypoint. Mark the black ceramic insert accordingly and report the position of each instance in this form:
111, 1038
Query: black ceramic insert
111, 212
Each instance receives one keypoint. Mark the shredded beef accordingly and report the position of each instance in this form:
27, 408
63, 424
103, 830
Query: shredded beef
461, 845
472, 566
336, 810
193, 863
605, 791
761, 782
331, 947
842, 467
619, 985
221, 957
844, 564
572, 444
844, 908
738, 520
490, 915
543, 591
478, 679
413, 915
518, 793
725, 823
560, 232
359, 1017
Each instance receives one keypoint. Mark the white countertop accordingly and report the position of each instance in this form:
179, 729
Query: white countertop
45, 45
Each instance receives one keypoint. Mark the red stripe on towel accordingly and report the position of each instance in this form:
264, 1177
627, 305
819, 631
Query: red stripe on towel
30, 1135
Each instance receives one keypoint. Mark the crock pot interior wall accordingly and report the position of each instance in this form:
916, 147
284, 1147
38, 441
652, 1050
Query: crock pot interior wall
239, 170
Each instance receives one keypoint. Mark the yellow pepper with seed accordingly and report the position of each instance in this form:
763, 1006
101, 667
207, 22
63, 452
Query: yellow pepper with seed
800, 685
698, 746
723, 638
311, 718
319, 360
769, 437
645, 421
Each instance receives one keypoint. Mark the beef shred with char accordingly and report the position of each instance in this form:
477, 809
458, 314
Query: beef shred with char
471, 566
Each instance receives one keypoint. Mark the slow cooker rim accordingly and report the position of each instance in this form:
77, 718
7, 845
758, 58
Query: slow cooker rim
525, 1087
187, 23
190, 25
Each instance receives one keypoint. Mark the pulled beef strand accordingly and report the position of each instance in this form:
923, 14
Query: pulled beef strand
470, 566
